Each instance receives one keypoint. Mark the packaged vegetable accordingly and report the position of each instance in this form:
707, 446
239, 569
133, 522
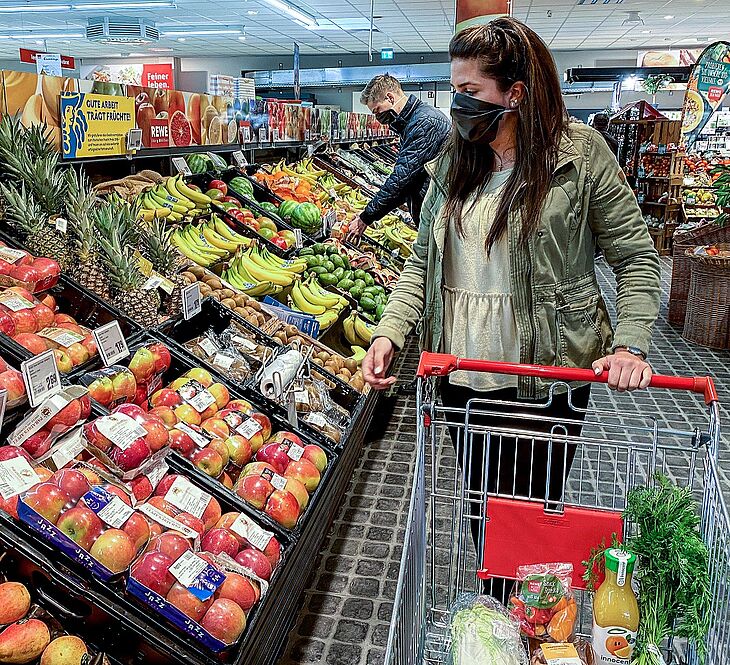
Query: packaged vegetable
543, 604
482, 632
579, 652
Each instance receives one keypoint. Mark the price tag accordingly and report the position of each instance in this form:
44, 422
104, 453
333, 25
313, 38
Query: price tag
41, 378
245, 527
298, 238
145, 265
295, 452
168, 522
109, 507
15, 302
68, 449
220, 360
16, 476
191, 300
208, 346
245, 343
188, 498
188, 568
316, 419
153, 282
197, 435
121, 429
279, 482
301, 397
181, 166
12, 255
61, 224
275, 134
61, 336
262, 135
329, 220
134, 140
111, 343
249, 428
239, 158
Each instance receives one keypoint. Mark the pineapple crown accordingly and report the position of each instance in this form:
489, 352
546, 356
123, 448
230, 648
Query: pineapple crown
80, 205
23, 211
158, 248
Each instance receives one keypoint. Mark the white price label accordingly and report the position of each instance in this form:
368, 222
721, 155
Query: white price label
245, 527
249, 428
68, 449
12, 255
239, 158
116, 513
187, 568
316, 419
61, 336
298, 238
191, 300
223, 361
16, 476
188, 498
275, 134
111, 343
244, 342
279, 482
333, 193
262, 135
156, 473
199, 438
301, 396
329, 220
61, 224
120, 429
295, 452
153, 282
208, 345
181, 166
201, 401
14, 302
168, 522
41, 378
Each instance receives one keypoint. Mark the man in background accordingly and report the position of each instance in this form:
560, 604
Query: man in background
423, 131
600, 124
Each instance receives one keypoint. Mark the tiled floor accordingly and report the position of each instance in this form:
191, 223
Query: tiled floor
346, 611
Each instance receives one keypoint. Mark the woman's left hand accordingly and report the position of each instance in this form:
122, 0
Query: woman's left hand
625, 370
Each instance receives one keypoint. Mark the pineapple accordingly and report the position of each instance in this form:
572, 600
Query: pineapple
87, 268
166, 260
40, 236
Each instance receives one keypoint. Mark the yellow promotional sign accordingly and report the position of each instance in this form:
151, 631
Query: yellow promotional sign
95, 125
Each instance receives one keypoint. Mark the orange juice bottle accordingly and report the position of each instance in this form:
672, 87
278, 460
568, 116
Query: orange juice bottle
615, 611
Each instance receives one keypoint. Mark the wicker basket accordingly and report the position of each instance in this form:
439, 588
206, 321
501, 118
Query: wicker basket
681, 264
708, 303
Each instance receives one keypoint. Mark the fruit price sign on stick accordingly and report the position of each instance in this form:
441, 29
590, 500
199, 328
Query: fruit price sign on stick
191, 301
41, 378
239, 158
111, 343
181, 165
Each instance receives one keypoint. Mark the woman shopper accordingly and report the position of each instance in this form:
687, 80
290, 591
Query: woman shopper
503, 267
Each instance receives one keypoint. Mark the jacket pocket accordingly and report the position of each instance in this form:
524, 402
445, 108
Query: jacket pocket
583, 331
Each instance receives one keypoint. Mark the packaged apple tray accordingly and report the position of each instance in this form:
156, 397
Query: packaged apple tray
191, 458
203, 180
217, 319
76, 304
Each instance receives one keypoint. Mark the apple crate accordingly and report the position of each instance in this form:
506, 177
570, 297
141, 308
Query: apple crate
88, 310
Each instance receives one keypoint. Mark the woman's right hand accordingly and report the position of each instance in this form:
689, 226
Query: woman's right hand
376, 363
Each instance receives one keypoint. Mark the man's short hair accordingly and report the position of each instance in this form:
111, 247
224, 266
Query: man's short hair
378, 87
600, 121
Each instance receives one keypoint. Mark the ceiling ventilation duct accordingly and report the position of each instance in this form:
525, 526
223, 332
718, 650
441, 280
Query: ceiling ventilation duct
121, 30
633, 18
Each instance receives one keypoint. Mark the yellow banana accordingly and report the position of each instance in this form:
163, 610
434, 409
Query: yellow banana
198, 241
362, 330
189, 252
316, 298
173, 192
264, 274
227, 232
163, 203
327, 319
218, 241
196, 197
256, 259
348, 327
302, 304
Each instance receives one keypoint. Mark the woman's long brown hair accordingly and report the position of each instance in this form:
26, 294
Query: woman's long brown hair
509, 51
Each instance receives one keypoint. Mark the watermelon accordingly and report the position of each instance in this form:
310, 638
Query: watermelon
306, 216
287, 208
198, 163
241, 186
269, 207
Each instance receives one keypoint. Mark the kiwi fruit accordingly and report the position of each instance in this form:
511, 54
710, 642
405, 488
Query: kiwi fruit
190, 276
227, 293
261, 319
240, 311
350, 365
345, 374
198, 271
228, 302
281, 336
214, 283
240, 300
318, 361
253, 304
291, 330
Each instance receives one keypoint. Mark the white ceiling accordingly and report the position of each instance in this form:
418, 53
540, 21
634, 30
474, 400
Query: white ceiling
405, 25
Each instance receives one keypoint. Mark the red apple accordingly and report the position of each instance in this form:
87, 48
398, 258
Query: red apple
166, 414
225, 620
299, 491
78, 353
142, 365
226, 481
134, 411
283, 507
124, 385
275, 455
272, 552
137, 528
114, 549
153, 571
25, 273
163, 359
188, 414
316, 456
71, 481
118, 491
81, 525
24, 321
9, 452
212, 513
221, 394
192, 522
7, 323
219, 445
202, 376
141, 488
85, 403
63, 318
286, 437
305, 472
12, 381
132, 457
10, 506
254, 489
219, 185
187, 603
31, 342
48, 500
241, 590
164, 506
217, 427
63, 362
241, 405
208, 461
47, 267
181, 442
257, 468
226, 521
265, 423
44, 316
220, 540
157, 436
38, 444
67, 417
101, 390
256, 562
171, 543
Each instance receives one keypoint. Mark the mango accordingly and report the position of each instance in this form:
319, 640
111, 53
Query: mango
23, 642
14, 602
66, 650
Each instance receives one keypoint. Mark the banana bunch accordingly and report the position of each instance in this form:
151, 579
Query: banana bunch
394, 234
357, 332
354, 198
208, 243
172, 199
257, 272
310, 298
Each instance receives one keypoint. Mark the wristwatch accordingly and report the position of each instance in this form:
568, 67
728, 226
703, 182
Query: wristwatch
631, 349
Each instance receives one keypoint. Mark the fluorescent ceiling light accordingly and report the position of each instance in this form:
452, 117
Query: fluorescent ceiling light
346, 24
140, 4
192, 33
44, 35
668, 17
299, 15
160, 50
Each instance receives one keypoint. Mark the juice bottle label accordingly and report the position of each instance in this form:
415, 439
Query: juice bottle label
613, 645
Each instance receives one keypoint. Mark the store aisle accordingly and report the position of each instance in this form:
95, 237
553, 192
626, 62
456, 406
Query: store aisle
344, 620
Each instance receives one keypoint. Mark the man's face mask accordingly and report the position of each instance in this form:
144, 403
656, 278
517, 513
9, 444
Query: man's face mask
388, 116
476, 120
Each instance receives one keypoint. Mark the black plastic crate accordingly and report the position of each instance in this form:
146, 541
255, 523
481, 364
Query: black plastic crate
88, 310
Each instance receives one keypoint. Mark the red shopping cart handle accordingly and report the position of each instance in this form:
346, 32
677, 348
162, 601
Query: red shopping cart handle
442, 364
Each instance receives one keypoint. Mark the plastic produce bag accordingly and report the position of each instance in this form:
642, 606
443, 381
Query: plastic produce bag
482, 633
543, 603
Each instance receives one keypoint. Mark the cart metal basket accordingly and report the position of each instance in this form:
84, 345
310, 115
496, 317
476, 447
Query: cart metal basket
615, 452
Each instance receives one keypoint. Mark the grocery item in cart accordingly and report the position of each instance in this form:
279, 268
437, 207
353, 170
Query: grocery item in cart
483, 632
543, 603
578, 653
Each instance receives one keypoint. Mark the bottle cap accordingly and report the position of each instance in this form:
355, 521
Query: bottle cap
615, 556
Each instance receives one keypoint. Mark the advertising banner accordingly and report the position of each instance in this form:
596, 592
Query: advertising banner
143, 75
708, 84
48, 64
95, 125
30, 56
685, 57
479, 12
157, 76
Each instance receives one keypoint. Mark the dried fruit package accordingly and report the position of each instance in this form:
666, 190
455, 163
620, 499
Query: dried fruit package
543, 603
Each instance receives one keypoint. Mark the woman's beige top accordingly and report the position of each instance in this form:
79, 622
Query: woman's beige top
479, 318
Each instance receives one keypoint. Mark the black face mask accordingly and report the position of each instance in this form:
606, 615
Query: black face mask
386, 117
476, 120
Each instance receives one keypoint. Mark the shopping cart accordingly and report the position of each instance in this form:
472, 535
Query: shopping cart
615, 452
